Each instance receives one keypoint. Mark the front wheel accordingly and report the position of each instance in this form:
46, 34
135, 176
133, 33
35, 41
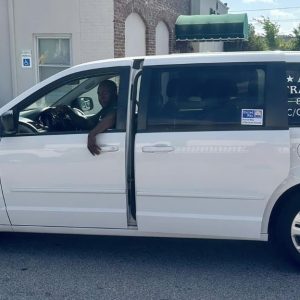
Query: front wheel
287, 229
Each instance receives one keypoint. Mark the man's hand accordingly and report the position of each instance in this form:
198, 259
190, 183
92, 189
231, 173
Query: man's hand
91, 144
106, 123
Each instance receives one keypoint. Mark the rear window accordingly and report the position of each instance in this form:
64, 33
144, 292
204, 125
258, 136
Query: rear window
196, 97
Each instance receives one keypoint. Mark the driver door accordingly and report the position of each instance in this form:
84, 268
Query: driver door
50, 178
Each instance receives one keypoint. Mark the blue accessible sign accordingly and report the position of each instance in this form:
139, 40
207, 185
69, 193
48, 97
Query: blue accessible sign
26, 61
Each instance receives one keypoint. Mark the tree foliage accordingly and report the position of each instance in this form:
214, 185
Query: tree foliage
255, 42
269, 40
271, 32
296, 43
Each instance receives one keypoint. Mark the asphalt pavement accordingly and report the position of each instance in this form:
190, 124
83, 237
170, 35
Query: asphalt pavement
36, 266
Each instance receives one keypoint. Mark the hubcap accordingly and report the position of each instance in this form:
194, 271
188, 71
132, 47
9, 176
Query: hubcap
295, 232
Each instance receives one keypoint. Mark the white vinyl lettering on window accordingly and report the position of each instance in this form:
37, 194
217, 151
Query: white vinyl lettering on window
293, 89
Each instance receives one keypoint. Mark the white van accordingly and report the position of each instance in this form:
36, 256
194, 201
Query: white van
204, 146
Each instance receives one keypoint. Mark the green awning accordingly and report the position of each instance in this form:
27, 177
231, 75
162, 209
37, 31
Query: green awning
212, 27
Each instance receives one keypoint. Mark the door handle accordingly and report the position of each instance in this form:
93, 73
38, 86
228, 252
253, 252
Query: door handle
158, 149
109, 148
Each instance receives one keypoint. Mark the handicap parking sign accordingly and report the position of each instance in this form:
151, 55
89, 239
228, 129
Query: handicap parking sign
26, 62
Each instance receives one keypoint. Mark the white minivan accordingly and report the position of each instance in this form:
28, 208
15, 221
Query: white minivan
204, 146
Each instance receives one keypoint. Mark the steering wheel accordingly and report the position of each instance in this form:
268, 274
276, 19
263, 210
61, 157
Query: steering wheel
59, 118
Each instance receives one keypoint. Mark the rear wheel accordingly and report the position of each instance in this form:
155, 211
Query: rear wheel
287, 229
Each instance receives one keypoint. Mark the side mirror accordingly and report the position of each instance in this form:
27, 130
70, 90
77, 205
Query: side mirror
7, 123
83, 103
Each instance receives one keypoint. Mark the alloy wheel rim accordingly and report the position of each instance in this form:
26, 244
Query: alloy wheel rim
295, 232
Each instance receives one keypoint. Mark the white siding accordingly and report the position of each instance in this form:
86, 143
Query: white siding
195, 7
202, 7
135, 36
96, 29
211, 47
206, 5
6, 92
88, 22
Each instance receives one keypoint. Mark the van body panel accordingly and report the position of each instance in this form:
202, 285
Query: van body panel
3, 212
291, 181
213, 183
87, 191
233, 57
185, 183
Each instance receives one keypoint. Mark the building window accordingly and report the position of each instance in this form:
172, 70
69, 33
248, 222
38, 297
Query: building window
54, 55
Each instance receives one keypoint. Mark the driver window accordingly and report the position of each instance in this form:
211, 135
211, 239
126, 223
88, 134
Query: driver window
51, 98
72, 107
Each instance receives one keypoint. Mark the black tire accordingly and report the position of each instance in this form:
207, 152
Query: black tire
282, 233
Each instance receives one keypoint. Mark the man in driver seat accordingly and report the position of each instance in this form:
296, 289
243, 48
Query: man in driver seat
100, 122
106, 118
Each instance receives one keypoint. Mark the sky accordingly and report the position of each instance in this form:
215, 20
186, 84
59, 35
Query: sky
286, 13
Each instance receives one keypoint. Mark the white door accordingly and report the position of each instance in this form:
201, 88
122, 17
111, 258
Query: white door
209, 155
54, 181
49, 178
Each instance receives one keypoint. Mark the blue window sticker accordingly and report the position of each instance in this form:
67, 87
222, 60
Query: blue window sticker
252, 117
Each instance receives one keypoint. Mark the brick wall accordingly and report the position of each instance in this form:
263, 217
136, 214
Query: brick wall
152, 12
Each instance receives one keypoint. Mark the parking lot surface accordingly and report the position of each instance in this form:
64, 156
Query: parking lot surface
36, 266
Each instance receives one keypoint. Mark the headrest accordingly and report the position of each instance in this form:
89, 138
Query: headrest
172, 87
219, 88
183, 88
